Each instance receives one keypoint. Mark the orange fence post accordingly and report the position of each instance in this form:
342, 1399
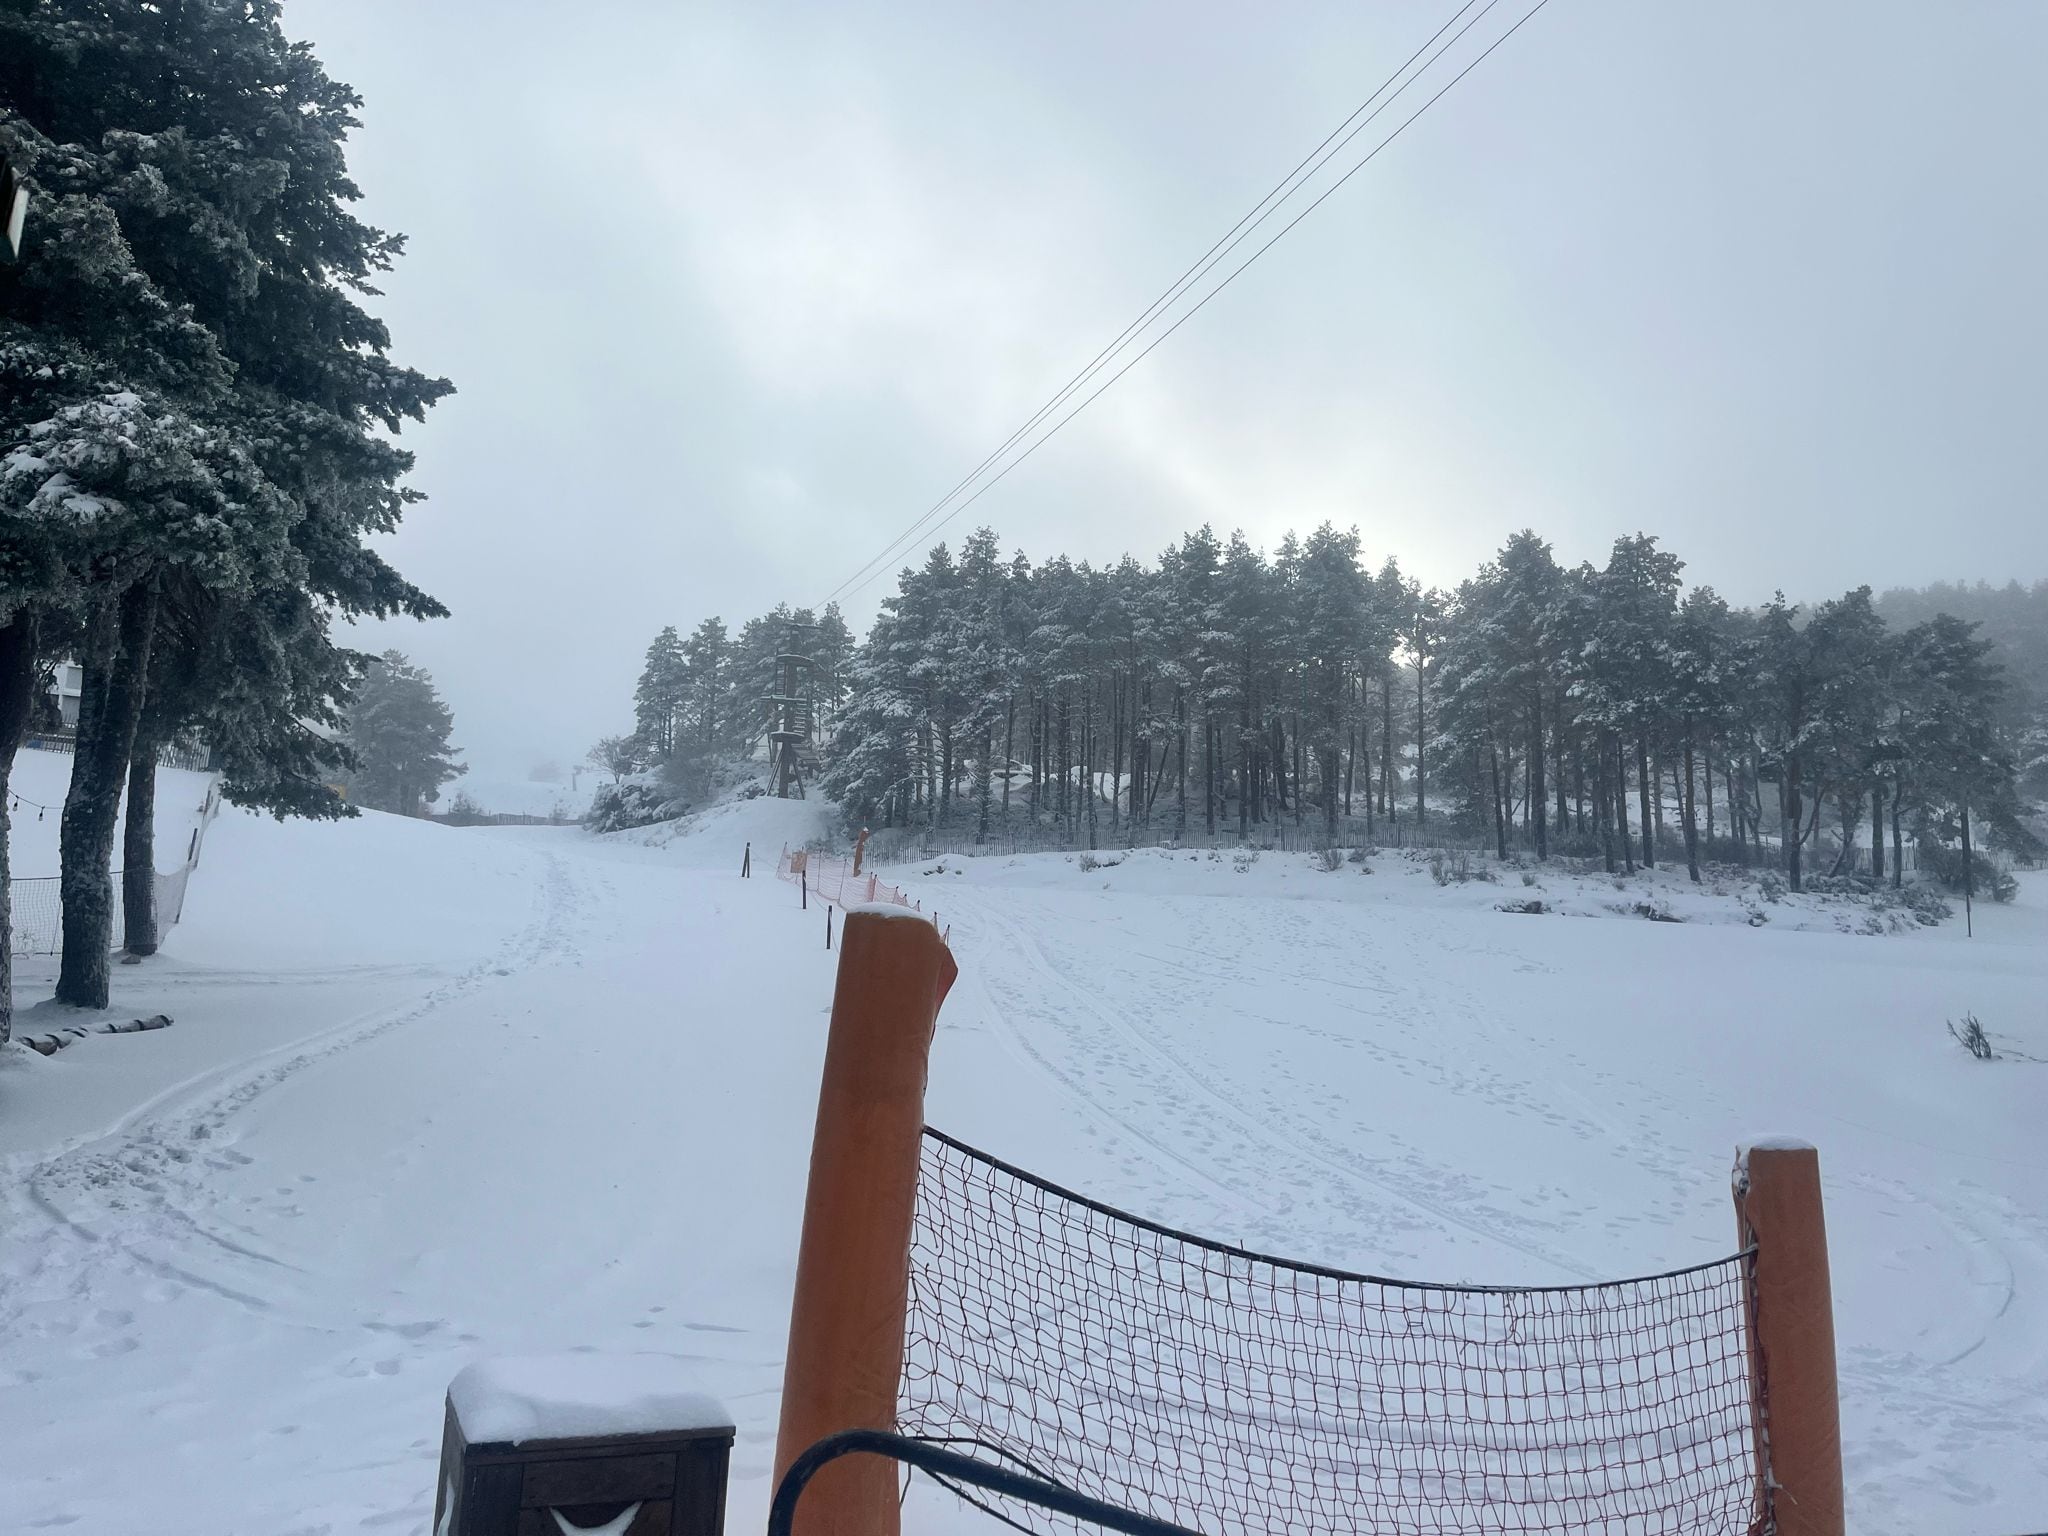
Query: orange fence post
1792, 1337
846, 1322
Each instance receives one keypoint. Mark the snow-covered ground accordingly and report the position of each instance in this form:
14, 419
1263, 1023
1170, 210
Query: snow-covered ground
36, 792
435, 1094
504, 796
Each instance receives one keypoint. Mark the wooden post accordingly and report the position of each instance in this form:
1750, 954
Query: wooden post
804, 878
846, 1322
1792, 1337
747, 863
828, 927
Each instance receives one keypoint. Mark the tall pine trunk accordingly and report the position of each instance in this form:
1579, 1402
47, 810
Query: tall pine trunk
1877, 831
1628, 851
1421, 727
1180, 710
17, 708
1646, 786
138, 850
110, 705
984, 786
1707, 765
1898, 842
1601, 814
1209, 774
1538, 798
1790, 810
1009, 741
1500, 808
1387, 741
1689, 812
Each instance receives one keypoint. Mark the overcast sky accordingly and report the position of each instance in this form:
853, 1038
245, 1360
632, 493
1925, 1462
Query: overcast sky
732, 293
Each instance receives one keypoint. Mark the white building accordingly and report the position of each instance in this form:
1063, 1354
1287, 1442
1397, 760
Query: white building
67, 683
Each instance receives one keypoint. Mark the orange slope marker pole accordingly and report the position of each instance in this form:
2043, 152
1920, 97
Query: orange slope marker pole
1792, 1337
846, 1323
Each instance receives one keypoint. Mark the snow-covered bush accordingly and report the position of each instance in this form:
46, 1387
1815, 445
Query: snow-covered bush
1330, 860
1946, 864
632, 802
1650, 911
1925, 903
1529, 904
1243, 860
1772, 884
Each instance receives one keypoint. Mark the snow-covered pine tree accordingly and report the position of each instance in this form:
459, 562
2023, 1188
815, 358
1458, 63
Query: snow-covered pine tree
659, 697
398, 730
192, 271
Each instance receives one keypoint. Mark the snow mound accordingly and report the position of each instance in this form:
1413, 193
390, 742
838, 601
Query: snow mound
556, 1397
719, 835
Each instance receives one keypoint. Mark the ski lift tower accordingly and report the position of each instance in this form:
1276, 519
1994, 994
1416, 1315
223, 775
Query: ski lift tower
790, 717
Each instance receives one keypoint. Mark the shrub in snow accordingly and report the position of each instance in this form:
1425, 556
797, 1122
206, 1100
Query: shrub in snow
1841, 885
1444, 868
1947, 865
633, 802
1925, 903
1651, 911
1772, 884
1330, 860
1528, 878
1971, 1037
1243, 861
1531, 904
1089, 861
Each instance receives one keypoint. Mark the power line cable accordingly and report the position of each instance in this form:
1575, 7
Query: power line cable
1283, 189
856, 585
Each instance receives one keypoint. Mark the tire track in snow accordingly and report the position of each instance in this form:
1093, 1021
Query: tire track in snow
147, 1172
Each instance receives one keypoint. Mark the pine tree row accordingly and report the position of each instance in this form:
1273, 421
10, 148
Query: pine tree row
1607, 710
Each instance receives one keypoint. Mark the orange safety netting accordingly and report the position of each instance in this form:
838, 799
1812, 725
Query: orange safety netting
833, 880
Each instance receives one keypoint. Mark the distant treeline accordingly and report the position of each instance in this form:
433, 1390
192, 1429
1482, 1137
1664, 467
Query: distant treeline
1536, 701
1604, 708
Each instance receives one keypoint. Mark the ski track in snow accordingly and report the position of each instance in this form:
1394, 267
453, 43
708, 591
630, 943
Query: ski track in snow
141, 1189
1120, 1064
1336, 1079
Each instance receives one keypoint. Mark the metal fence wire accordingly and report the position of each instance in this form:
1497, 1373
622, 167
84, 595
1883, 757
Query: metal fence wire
1232, 1392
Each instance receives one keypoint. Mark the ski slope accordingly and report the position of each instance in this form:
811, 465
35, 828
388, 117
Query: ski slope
435, 1094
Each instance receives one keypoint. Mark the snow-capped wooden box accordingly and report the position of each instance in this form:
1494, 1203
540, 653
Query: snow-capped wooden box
611, 1445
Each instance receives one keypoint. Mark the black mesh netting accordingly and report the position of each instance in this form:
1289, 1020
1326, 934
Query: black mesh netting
1231, 1392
